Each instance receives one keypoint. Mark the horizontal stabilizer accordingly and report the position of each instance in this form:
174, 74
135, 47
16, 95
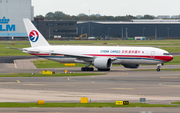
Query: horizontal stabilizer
14, 48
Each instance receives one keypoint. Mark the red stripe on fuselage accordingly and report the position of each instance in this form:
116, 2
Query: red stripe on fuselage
39, 54
164, 58
43, 54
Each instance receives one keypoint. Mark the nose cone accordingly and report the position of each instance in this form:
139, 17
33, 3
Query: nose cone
170, 58
167, 58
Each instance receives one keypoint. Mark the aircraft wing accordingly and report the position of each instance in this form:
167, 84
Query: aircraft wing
73, 55
79, 56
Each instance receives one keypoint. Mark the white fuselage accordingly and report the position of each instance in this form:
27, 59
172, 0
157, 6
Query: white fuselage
122, 55
102, 57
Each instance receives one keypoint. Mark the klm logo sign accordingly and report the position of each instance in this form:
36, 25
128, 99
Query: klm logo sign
4, 26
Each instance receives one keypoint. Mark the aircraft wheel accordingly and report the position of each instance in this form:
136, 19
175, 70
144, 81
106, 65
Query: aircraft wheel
158, 69
87, 69
108, 70
90, 69
82, 69
99, 70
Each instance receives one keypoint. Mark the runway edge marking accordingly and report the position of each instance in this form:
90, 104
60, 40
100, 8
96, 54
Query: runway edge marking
15, 63
18, 81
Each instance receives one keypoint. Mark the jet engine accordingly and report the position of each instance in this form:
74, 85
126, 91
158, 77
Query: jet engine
131, 65
103, 63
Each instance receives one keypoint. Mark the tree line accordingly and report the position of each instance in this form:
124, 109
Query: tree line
59, 15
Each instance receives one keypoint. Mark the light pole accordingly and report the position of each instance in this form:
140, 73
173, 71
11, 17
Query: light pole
155, 33
168, 32
82, 30
89, 25
122, 33
143, 31
49, 33
108, 31
126, 33
92, 31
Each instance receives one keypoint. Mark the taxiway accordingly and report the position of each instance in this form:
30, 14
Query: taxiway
118, 84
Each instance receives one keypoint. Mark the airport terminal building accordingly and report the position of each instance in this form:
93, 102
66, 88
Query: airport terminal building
12, 13
153, 29
157, 28
57, 29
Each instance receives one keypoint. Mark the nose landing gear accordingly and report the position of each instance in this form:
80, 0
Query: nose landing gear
158, 67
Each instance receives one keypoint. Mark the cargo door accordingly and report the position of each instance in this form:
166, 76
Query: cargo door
152, 54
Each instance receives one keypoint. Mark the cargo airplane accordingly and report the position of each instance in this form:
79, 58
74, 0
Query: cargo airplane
101, 57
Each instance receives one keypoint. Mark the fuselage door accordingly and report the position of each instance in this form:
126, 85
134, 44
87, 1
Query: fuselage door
152, 54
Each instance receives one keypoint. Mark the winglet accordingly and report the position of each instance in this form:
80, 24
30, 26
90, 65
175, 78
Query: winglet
35, 37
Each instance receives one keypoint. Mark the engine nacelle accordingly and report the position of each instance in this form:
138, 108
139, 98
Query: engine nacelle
131, 65
103, 63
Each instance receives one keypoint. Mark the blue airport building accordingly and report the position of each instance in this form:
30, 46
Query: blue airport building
12, 13
157, 28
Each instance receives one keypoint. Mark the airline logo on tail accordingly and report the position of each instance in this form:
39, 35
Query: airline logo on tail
34, 36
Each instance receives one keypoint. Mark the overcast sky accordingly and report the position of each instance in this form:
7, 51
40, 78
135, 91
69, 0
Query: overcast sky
108, 7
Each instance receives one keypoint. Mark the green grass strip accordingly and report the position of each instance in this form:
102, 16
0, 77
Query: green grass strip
11, 52
109, 42
171, 49
175, 102
53, 64
47, 75
83, 105
168, 45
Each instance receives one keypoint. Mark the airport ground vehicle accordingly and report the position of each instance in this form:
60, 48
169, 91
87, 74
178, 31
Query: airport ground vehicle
80, 37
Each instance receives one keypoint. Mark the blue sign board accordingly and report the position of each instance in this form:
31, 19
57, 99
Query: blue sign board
4, 26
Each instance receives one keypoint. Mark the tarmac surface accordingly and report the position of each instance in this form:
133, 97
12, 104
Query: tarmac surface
158, 88
118, 84
10, 59
89, 110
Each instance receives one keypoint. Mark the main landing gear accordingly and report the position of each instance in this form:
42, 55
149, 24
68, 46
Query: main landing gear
92, 69
87, 68
158, 67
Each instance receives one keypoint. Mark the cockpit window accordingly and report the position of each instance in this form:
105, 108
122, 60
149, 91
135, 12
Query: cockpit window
166, 54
